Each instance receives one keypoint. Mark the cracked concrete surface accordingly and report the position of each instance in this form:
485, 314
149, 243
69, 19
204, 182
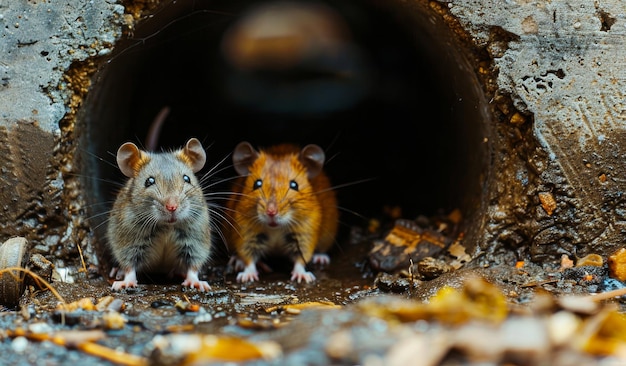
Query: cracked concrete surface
554, 71
564, 67
39, 43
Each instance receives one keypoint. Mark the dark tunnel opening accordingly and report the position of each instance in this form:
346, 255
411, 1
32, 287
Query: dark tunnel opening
400, 115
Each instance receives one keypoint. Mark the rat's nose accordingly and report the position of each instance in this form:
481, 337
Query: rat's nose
171, 205
271, 209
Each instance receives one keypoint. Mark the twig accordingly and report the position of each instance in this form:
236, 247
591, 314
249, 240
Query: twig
607, 295
538, 283
88, 347
9, 271
82, 259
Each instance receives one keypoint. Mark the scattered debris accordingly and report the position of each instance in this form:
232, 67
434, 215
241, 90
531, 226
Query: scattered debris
441, 309
547, 202
197, 349
566, 262
478, 300
84, 341
410, 241
590, 260
297, 308
617, 264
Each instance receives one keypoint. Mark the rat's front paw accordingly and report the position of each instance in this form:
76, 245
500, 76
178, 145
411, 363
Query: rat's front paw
246, 276
119, 285
321, 258
193, 281
200, 285
249, 274
299, 274
236, 263
130, 280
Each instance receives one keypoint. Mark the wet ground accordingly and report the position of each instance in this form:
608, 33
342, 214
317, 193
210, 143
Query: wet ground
329, 321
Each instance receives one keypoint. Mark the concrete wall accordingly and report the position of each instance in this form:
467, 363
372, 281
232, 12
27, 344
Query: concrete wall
46, 50
563, 67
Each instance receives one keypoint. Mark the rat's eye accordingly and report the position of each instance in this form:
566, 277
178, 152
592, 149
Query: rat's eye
257, 184
150, 181
186, 178
293, 185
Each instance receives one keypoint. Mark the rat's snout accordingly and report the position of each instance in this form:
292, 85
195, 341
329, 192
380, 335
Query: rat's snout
271, 209
171, 204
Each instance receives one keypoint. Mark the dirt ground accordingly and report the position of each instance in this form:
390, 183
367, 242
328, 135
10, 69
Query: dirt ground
513, 313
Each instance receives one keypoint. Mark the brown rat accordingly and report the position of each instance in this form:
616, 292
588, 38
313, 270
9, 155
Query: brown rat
281, 203
160, 218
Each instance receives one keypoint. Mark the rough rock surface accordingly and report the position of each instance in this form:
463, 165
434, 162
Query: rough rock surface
43, 46
563, 67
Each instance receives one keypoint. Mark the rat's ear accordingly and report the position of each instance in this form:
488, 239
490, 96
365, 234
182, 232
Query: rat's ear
130, 159
312, 156
193, 153
243, 157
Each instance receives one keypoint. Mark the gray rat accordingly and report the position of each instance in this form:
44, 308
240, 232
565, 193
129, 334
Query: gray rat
160, 219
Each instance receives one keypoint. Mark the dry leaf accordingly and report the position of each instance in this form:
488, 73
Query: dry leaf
478, 300
304, 305
230, 349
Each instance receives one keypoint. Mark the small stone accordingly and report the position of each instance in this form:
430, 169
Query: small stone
430, 268
19, 344
590, 260
547, 202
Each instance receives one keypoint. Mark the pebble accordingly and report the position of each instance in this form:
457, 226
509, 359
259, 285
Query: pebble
19, 344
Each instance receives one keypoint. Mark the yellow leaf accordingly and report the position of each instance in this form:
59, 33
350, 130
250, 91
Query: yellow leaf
225, 348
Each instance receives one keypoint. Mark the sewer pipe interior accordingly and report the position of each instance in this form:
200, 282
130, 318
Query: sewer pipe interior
386, 92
